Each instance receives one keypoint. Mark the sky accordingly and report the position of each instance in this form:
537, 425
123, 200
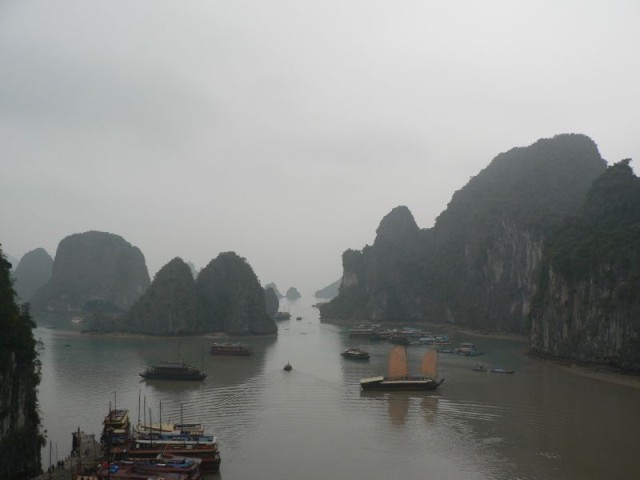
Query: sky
284, 130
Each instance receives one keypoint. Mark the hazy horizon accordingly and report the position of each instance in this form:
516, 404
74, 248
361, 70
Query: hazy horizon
285, 131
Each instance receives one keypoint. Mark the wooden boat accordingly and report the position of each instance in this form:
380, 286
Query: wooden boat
162, 466
288, 367
355, 353
116, 427
173, 371
398, 373
237, 349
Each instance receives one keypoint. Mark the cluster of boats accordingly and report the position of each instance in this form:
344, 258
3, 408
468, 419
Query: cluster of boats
465, 349
400, 336
161, 450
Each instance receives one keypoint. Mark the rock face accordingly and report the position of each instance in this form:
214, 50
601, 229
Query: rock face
169, 306
587, 307
94, 271
330, 291
272, 302
293, 293
477, 265
33, 272
231, 297
275, 289
20, 438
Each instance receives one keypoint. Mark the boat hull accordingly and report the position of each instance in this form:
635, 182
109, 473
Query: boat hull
407, 385
178, 376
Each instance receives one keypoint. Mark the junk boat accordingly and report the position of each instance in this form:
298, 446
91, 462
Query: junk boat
173, 371
398, 373
229, 349
355, 353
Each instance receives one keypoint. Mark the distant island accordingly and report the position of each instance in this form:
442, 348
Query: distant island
330, 291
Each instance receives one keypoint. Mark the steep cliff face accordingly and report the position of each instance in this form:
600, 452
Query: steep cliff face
20, 438
94, 269
33, 272
231, 297
272, 302
169, 306
588, 302
477, 265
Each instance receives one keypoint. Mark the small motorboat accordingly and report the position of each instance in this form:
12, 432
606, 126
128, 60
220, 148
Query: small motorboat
288, 367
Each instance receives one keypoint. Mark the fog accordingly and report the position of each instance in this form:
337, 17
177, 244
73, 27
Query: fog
285, 130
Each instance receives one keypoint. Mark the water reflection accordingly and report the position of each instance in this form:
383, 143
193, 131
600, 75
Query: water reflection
399, 405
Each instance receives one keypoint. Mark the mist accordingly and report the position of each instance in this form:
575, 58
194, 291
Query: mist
284, 130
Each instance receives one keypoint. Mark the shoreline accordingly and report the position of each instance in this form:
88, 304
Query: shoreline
596, 372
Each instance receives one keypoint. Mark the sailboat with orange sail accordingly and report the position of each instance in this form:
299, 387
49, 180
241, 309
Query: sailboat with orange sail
398, 377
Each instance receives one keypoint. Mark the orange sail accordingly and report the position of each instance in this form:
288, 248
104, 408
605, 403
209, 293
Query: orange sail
429, 366
398, 363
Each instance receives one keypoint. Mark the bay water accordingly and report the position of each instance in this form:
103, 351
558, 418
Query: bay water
315, 423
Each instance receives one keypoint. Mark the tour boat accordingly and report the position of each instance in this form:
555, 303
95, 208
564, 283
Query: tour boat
173, 371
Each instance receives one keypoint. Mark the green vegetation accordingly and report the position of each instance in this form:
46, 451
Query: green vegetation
20, 437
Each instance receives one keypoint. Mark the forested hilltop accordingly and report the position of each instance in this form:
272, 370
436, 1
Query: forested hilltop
476, 266
20, 437
587, 305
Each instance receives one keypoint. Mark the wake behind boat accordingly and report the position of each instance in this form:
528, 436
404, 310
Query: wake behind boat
398, 373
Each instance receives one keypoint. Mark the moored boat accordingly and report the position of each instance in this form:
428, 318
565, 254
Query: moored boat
173, 371
398, 377
116, 427
282, 316
355, 353
238, 349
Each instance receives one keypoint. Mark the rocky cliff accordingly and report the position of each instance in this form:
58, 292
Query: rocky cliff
33, 272
292, 293
94, 271
476, 266
231, 297
170, 305
587, 307
272, 302
20, 437
330, 291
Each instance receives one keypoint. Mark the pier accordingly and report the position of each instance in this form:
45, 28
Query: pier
85, 456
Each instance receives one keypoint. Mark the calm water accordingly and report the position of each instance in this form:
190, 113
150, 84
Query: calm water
315, 423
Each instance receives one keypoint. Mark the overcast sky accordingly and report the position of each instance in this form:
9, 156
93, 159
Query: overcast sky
285, 130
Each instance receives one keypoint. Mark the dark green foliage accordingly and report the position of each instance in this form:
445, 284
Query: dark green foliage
588, 294
20, 438
607, 231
